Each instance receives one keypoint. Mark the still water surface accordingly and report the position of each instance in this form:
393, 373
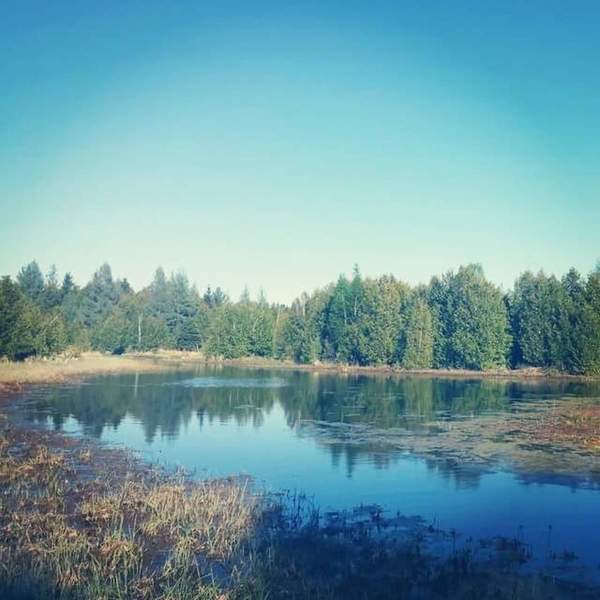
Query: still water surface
221, 421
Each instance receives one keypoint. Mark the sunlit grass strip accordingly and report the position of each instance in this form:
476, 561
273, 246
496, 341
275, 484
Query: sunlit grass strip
67, 367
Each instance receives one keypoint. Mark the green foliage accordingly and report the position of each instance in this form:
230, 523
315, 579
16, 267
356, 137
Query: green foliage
460, 320
342, 320
214, 299
24, 329
113, 334
177, 304
417, 351
471, 319
99, 297
154, 334
53, 334
51, 295
554, 322
17, 321
438, 302
381, 321
590, 325
229, 334
242, 329
31, 281
302, 333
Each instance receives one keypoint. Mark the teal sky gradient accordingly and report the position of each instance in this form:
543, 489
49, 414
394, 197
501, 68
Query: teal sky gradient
277, 144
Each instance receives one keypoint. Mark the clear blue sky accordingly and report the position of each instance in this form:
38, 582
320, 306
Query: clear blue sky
277, 144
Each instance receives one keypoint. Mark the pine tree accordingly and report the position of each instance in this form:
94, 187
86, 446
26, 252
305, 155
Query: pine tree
99, 297
51, 295
31, 281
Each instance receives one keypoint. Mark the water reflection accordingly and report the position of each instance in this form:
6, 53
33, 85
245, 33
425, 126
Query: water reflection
166, 404
417, 445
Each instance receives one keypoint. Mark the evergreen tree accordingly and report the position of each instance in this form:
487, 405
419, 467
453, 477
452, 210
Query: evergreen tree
476, 327
31, 281
261, 334
528, 320
342, 328
303, 330
183, 309
51, 296
219, 297
418, 338
158, 296
154, 334
380, 321
230, 332
99, 297
24, 329
590, 325
438, 299
53, 334
114, 334
68, 286
15, 340
460, 320
541, 310
573, 336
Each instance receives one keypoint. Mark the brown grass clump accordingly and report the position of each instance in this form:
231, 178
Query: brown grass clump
140, 537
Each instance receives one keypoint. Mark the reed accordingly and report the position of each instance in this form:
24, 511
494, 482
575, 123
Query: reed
138, 538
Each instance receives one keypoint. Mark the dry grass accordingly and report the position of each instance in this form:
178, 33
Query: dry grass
66, 368
71, 532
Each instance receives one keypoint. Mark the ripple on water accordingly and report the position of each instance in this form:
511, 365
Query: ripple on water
228, 382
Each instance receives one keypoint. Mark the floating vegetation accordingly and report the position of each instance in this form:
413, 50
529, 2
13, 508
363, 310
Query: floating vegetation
83, 522
536, 438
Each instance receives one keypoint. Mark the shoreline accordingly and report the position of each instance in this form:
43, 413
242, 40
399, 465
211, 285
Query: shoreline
91, 520
103, 486
529, 373
15, 375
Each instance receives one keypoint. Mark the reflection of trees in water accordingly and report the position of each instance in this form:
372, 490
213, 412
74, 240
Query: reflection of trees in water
163, 409
409, 403
388, 402
384, 402
463, 476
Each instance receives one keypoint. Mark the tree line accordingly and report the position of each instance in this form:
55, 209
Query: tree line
459, 320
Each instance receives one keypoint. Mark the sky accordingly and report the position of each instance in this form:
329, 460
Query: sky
277, 144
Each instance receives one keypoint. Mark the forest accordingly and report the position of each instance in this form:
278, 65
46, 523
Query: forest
459, 320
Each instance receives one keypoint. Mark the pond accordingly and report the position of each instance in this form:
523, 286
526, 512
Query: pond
450, 450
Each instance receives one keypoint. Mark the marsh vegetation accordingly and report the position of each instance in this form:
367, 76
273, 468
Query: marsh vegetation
87, 522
